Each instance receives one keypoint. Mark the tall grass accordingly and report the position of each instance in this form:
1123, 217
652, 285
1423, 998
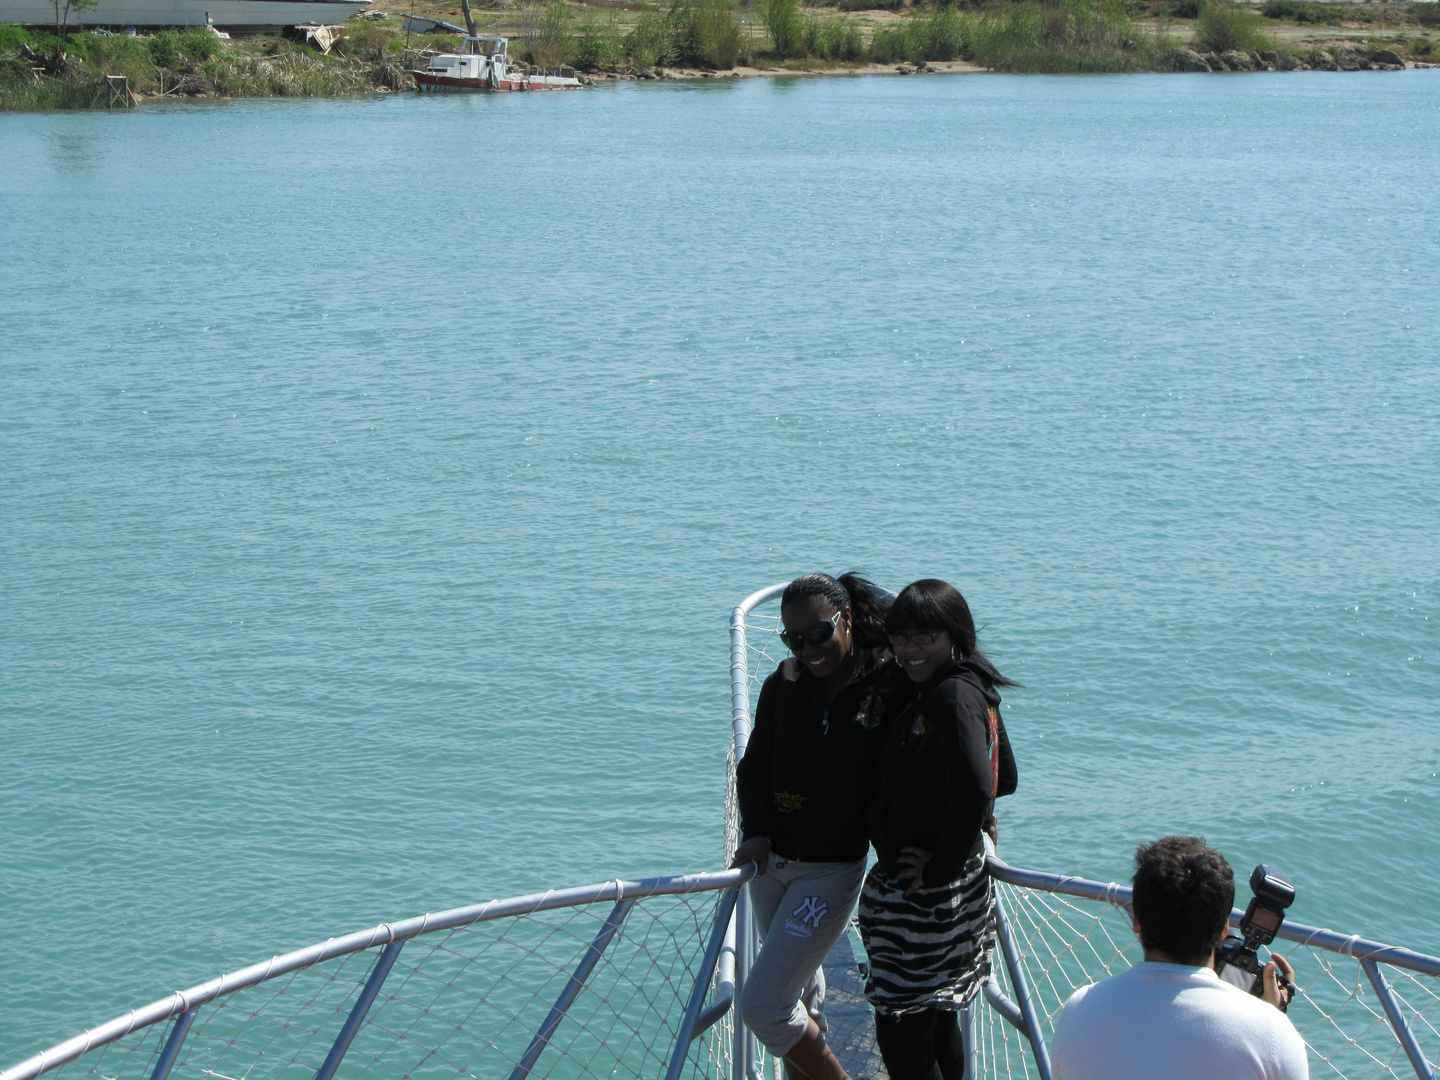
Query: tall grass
597, 45
543, 33
803, 37
186, 63
1223, 27
940, 35
785, 26
693, 33
704, 33
1067, 36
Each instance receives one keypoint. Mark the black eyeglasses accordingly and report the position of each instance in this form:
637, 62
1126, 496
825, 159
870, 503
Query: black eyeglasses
929, 637
818, 634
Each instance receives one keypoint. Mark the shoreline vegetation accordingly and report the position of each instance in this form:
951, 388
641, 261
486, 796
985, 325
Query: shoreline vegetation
686, 39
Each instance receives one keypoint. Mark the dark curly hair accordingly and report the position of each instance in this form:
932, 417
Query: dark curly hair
1183, 895
932, 604
866, 601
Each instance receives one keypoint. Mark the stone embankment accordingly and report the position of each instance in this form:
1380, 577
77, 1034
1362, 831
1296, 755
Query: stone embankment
1343, 58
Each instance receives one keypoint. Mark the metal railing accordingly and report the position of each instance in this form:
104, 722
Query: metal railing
480, 955
1050, 945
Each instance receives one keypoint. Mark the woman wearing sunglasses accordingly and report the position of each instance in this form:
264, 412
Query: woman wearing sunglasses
926, 913
803, 788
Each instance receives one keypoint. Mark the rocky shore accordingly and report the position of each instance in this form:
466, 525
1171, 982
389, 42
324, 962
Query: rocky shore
1339, 58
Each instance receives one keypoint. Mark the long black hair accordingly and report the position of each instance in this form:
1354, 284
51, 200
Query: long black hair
866, 602
932, 604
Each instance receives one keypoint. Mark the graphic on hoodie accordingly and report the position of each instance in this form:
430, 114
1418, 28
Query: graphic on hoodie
992, 721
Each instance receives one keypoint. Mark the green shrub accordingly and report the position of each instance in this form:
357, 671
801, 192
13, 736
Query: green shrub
646, 42
366, 40
941, 35
1187, 9
1426, 14
693, 33
543, 36
703, 33
12, 37
172, 48
802, 37
1298, 11
1223, 27
785, 26
597, 45
1065, 36
833, 39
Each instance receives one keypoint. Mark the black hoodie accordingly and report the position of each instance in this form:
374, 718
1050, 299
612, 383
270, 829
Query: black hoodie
945, 760
808, 771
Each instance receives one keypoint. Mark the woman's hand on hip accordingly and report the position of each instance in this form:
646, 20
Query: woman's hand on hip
912, 861
756, 850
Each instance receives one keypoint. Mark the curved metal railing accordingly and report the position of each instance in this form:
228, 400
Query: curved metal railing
565, 951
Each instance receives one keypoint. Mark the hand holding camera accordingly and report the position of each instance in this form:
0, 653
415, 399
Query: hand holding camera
1236, 961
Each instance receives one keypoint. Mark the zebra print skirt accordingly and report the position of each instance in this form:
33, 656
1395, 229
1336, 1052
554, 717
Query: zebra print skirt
930, 950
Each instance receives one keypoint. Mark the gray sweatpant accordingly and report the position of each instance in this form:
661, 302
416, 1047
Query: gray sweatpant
801, 908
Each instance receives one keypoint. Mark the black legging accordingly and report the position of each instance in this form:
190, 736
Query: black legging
922, 1045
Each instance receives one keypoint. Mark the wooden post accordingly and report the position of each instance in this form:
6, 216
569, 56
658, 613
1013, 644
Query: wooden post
119, 92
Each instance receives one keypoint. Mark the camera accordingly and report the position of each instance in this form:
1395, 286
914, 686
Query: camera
1235, 959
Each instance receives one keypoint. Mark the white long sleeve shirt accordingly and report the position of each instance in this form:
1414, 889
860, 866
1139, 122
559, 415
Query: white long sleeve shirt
1173, 1022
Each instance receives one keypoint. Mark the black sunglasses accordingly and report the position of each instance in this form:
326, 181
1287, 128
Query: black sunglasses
929, 637
818, 634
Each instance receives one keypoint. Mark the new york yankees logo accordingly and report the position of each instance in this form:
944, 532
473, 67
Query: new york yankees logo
812, 909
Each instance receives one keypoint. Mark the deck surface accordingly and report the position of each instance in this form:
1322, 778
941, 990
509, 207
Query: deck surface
852, 1024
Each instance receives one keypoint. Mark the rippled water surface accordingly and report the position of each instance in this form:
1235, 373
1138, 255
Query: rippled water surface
378, 476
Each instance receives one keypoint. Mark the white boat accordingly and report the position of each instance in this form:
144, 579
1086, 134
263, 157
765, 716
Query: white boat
483, 63
243, 15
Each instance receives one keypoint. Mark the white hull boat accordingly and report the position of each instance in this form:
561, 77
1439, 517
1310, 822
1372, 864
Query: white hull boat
483, 63
242, 15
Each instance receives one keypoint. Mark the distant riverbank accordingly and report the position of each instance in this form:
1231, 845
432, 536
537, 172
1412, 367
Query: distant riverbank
709, 39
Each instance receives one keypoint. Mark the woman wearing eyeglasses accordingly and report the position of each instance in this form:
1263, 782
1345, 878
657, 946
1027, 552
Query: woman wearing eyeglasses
926, 912
803, 787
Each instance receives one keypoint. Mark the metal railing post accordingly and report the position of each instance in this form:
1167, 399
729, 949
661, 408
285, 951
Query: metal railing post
572, 990
725, 986
745, 1054
1022, 990
724, 910
743, 1064
1398, 1023
367, 996
176, 1039
1004, 1006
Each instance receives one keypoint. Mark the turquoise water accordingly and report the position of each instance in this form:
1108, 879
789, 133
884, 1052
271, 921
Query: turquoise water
378, 477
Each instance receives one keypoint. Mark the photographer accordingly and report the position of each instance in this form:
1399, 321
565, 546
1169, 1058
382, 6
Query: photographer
1171, 1016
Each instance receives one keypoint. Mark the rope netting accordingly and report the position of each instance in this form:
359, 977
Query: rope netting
1066, 942
466, 1003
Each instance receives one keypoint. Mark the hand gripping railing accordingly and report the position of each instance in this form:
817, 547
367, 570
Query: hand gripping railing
184, 1005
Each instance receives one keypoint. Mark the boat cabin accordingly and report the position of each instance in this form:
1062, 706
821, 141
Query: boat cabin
471, 62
